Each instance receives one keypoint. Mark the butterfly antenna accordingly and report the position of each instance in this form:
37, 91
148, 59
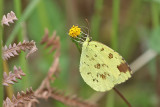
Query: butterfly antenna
88, 26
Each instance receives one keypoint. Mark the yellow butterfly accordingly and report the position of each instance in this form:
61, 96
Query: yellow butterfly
101, 67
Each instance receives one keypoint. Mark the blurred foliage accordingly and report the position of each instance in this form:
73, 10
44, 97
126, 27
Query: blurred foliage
154, 40
137, 30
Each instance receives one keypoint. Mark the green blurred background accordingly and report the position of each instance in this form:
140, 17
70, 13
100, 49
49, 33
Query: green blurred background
131, 27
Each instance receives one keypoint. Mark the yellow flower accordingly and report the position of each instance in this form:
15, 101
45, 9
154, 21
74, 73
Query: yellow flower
74, 31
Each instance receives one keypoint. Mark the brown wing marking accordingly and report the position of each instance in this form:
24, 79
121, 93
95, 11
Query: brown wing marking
110, 56
123, 67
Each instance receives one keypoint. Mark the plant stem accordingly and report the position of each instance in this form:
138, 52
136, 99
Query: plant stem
155, 25
130, 37
1, 65
155, 14
23, 64
25, 15
115, 23
129, 105
42, 14
143, 60
9, 89
96, 19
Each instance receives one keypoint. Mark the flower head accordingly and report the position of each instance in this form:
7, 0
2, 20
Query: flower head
74, 31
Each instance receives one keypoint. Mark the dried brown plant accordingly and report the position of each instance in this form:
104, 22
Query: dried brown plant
53, 42
45, 91
20, 99
70, 100
15, 49
11, 77
9, 19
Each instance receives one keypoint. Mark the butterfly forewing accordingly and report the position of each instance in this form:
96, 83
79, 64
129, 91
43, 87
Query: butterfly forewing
91, 73
101, 67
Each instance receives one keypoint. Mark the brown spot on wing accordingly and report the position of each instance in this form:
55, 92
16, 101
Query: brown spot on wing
102, 49
103, 76
97, 66
123, 67
95, 80
110, 56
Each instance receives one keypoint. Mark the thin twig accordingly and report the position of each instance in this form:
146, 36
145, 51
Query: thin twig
125, 100
143, 59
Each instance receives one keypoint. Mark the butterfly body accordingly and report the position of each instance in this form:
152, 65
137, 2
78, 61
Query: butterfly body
101, 67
